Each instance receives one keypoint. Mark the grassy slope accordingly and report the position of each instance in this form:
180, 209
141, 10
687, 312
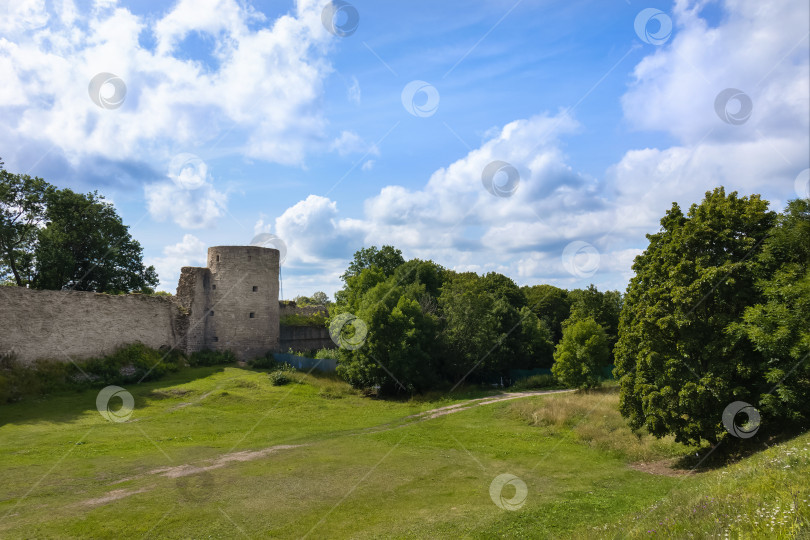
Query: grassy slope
363, 471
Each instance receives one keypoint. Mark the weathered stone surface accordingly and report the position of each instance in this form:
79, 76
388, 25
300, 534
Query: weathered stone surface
65, 325
303, 338
241, 311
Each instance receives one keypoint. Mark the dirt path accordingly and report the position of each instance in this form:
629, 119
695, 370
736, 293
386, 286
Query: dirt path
179, 471
469, 404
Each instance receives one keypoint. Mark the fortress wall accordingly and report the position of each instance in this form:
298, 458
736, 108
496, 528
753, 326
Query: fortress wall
230, 305
65, 325
303, 338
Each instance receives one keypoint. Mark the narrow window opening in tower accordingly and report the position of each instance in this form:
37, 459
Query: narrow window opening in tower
215, 338
213, 287
212, 314
255, 288
217, 258
252, 315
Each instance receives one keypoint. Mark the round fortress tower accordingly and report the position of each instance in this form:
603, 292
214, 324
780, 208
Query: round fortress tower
242, 300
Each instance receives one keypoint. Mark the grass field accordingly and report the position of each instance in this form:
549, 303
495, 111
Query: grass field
220, 453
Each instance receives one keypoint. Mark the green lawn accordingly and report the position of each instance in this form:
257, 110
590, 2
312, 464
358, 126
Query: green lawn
354, 467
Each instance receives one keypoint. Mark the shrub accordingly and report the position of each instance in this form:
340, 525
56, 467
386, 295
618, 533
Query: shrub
263, 362
132, 363
536, 381
211, 358
580, 356
326, 354
280, 377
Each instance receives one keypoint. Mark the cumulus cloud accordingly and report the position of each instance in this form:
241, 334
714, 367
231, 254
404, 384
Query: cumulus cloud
190, 251
314, 233
761, 50
261, 80
457, 196
187, 197
456, 220
350, 142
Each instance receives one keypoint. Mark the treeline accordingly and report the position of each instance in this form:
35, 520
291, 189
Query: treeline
57, 239
427, 327
718, 313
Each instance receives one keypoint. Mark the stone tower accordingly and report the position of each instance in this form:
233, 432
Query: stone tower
233, 303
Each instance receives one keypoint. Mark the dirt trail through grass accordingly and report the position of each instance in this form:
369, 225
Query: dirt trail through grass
250, 455
466, 405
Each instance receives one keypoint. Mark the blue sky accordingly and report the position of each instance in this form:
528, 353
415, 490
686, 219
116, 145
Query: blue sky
242, 118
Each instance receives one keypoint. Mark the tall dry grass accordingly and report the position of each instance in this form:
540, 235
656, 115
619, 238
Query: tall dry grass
593, 418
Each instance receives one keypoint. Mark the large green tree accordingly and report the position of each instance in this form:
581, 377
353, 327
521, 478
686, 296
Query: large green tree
678, 364
85, 246
22, 211
779, 325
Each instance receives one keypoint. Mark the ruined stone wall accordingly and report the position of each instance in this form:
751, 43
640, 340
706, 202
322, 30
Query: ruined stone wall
69, 325
192, 297
304, 338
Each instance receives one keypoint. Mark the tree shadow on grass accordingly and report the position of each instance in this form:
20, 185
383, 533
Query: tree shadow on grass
67, 405
733, 450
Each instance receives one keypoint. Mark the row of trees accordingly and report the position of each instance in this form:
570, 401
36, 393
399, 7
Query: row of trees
428, 326
57, 239
717, 312
318, 298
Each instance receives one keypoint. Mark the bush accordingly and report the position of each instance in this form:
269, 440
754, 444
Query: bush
536, 381
263, 362
211, 358
326, 354
18, 380
581, 354
133, 363
280, 377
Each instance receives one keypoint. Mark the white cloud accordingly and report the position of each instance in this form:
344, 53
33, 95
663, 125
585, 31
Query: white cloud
455, 197
190, 251
368, 165
314, 234
455, 221
189, 199
261, 81
260, 226
350, 142
759, 49
353, 91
